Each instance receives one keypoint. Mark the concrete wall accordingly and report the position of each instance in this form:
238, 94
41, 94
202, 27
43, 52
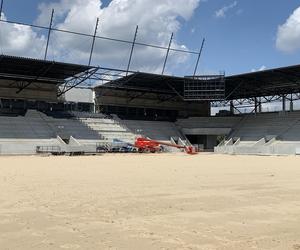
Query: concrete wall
79, 95
277, 148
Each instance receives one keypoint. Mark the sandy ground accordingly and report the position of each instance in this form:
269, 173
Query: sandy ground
150, 202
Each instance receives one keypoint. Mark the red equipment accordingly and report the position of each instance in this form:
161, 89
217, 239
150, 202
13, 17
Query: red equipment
148, 145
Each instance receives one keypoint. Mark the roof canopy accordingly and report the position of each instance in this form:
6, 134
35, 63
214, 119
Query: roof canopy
263, 83
28, 69
145, 82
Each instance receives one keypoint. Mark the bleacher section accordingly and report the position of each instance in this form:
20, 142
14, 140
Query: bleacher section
268, 133
157, 130
265, 133
109, 129
22, 134
74, 131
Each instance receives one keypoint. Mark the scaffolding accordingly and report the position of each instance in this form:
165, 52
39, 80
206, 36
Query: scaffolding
204, 88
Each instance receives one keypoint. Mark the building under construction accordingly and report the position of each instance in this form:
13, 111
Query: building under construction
38, 113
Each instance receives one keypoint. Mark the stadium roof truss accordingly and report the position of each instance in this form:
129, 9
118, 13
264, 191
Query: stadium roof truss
26, 71
274, 82
270, 85
256, 88
217, 89
204, 88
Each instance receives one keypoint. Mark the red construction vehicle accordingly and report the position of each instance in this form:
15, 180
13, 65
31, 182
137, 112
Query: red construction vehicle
145, 145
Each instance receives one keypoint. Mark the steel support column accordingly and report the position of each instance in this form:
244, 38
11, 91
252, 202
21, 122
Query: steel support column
93, 43
291, 103
168, 51
198, 59
259, 105
283, 102
255, 105
1, 8
49, 33
132, 49
231, 107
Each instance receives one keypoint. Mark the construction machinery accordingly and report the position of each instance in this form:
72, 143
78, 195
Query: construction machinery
145, 145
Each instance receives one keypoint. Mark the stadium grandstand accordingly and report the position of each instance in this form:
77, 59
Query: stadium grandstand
57, 107
36, 116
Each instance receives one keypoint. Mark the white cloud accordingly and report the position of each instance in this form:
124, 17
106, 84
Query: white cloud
288, 34
156, 19
262, 68
221, 13
20, 40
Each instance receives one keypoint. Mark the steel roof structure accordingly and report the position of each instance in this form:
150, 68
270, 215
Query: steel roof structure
28, 69
273, 82
279, 81
146, 82
161, 84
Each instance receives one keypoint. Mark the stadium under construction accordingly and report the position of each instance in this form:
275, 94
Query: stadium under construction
38, 116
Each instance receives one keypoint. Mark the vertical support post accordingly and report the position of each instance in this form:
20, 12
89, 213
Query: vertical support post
93, 43
231, 107
291, 103
255, 104
49, 33
283, 102
132, 48
1, 8
198, 59
259, 105
168, 51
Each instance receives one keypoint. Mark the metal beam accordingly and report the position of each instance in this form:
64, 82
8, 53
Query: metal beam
100, 37
93, 43
132, 48
43, 72
136, 96
1, 8
175, 91
77, 82
49, 33
168, 51
167, 99
199, 56
287, 76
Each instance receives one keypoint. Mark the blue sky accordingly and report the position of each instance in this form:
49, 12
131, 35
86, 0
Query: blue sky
240, 41
243, 40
